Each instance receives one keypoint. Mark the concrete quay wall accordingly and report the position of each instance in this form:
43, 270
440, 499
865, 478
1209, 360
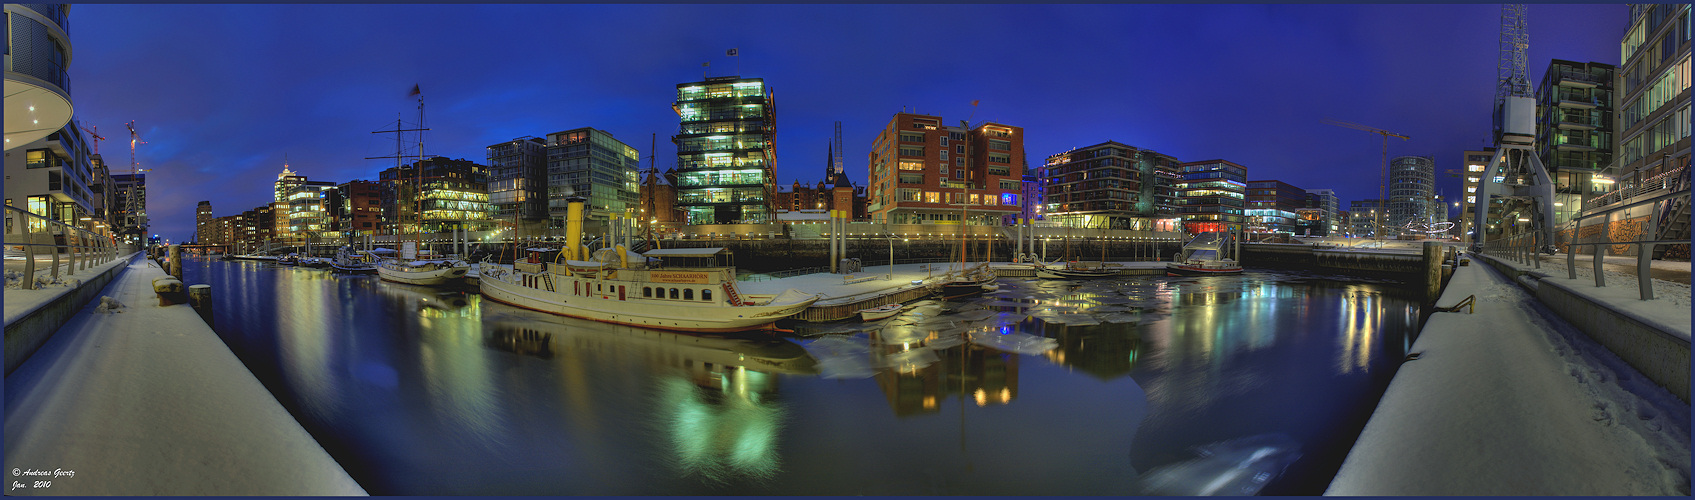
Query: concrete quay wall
26, 335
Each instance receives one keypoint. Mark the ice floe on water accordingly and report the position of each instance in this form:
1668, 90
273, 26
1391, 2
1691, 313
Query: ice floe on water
1020, 343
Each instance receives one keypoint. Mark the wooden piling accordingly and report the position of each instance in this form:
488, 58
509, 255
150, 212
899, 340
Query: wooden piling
176, 261
1432, 271
200, 297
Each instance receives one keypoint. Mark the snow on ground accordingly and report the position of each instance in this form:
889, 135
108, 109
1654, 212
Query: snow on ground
1512, 400
1670, 305
147, 400
19, 302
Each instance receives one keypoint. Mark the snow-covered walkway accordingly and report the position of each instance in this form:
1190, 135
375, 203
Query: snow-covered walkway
147, 400
1512, 400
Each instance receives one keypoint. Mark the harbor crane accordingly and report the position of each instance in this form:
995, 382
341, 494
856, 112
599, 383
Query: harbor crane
1383, 178
1515, 173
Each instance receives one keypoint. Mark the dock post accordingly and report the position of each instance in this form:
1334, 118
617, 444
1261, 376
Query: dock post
1432, 271
200, 297
176, 260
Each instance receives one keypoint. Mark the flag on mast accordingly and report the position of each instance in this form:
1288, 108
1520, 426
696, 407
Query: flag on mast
415, 91
730, 52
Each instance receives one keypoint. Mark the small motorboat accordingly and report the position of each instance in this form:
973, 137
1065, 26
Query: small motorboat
880, 312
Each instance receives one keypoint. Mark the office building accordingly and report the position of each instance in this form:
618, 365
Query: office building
1412, 188
592, 164
517, 181
1212, 196
358, 208
1273, 207
726, 150
924, 171
1475, 162
435, 195
1364, 219
1111, 185
1328, 210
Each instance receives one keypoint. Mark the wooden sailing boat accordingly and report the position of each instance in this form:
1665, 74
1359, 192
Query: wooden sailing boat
414, 269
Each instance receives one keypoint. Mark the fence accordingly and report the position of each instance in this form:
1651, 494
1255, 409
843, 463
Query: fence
29, 237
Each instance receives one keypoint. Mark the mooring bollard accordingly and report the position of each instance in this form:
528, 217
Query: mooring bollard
169, 290
200, 297
1432, 271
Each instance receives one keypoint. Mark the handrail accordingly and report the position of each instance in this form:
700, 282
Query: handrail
1644, 255
86, 248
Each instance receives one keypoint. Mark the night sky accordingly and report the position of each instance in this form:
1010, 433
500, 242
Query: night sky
221, 93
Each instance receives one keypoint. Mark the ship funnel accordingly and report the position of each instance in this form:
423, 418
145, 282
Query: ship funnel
574, 227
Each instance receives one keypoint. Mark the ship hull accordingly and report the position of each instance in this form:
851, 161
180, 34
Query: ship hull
630, 309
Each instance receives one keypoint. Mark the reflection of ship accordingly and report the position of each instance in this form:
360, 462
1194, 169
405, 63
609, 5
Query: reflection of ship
711, 402
522, 341
1235, 467
980, 375
699, 354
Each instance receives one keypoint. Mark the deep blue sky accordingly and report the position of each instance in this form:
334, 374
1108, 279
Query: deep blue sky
222, 93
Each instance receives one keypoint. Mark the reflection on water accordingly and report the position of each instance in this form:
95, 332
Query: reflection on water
1036, 389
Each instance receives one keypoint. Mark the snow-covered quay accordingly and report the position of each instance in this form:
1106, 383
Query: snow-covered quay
130, 398
1512, 400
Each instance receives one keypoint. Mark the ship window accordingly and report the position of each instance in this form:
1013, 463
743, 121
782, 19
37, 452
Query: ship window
706, 294
673, 293
647, 291
688, 294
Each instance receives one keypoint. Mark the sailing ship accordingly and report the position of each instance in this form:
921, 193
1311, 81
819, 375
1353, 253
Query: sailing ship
1207, 254
411, 267
647, 290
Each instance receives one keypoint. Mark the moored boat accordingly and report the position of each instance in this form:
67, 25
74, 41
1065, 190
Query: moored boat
1205, 255
686, 289
348, 261
880, 312
1072, 272
429, 272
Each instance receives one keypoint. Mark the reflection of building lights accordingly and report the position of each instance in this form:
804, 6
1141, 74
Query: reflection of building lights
982, 397
1006, 394
929, 402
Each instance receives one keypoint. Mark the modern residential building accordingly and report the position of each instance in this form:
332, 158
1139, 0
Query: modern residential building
926, 172
1412, 188
436, 194
1364, 218
1111, 185
1273, 207
518, 176
726, 150
592, 164
38, 95
1575, 131
1212, 195
51, 176
202, 221
1653, 90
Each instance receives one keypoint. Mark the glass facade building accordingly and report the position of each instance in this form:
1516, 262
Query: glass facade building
517, 182
1212, 195
592, 164
1575, 131
1412, 188
1111, 185
726, 150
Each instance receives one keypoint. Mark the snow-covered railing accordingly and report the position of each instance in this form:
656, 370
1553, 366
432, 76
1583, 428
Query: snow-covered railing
29, 235
1644, 255
1519, 248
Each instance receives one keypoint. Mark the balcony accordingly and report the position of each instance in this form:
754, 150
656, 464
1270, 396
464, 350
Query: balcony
1577, 79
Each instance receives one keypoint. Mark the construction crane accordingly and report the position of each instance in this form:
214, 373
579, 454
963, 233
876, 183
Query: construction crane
135, 212
93, 133
1383, 179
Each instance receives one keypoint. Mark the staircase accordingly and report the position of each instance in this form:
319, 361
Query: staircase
1674, 216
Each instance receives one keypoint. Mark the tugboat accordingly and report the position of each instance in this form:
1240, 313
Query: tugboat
648, 290
1205, 255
